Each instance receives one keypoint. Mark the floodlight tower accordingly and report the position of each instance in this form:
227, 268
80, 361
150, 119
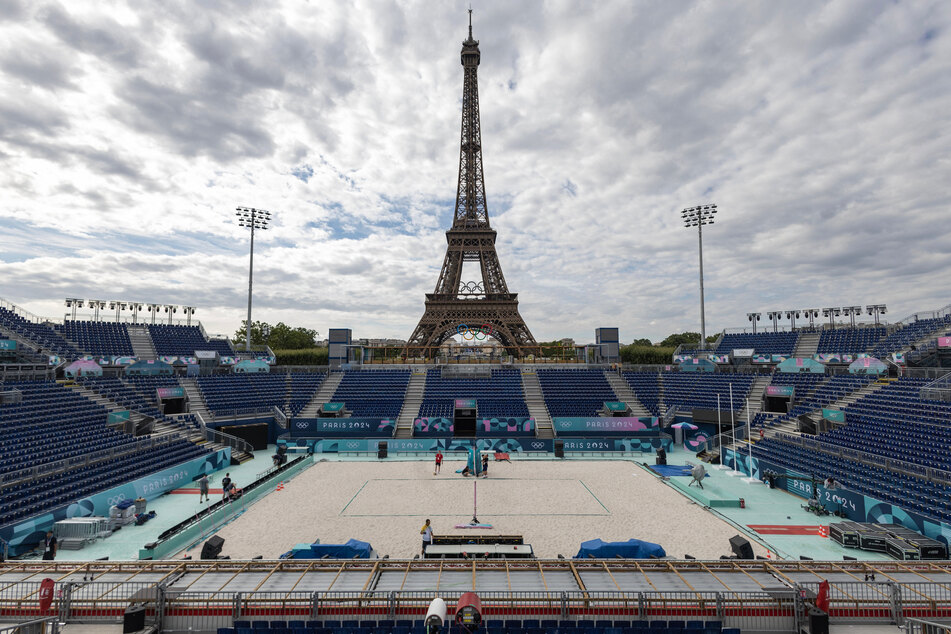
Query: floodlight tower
96, 304
852, 311
153, 308
831, 312
189, 311
74, 303
697, 217
774, 315
754, 317
811, 313
171, 309
791, 315
251, 218
876, 310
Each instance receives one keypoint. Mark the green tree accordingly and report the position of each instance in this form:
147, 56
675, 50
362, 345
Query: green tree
283, 337
684, 338
258, 329
646, 355
307, 356
641, 342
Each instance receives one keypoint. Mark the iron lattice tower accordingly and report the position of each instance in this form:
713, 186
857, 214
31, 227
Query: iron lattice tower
471, 239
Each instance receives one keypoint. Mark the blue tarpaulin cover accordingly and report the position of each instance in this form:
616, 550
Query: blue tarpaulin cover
353, 548
631, 549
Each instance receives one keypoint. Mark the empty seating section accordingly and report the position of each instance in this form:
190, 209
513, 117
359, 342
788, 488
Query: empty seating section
921, 496
44, 494
907, 335
53, 423
849, 340
146, 385
761, 342
646, 387
303, 386
98, 337
237, 394
490, 626
373, 393
184, 340
498, 396
895, 422
701, 389
44, 337
804, 382
121, 393
575, 392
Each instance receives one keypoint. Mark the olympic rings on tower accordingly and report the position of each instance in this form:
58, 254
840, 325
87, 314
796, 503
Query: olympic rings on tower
469, 334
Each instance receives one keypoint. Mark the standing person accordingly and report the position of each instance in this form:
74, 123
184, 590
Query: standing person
438, 462
203, 489
485, 465
427, 532
225, 485
49, 547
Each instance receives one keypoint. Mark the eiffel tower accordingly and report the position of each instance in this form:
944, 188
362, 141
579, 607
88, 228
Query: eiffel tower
485, 305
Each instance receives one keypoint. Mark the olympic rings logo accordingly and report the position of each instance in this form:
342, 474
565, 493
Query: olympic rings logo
485, 330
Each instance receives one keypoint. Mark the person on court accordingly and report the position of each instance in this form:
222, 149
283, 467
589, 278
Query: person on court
485, 465
438, 462
203, 489
427, 532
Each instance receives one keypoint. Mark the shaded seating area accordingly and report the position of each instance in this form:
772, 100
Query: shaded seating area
575, 392
500, 395
237, 394
41, 335
98, 337
908, 334
849, 340
184, 341
761, 342
373, 393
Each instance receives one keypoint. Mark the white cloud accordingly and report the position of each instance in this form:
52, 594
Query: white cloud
129, 133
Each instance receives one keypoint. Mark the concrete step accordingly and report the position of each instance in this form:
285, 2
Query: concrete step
412, 401
624, 394
323, 395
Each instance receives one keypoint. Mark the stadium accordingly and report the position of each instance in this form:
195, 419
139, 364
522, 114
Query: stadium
780, 477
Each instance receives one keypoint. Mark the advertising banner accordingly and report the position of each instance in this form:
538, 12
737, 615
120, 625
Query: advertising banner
119, 416
8, 344
465, 403
341, 427
506, 445
780, 390
170, 392
719, 358
332, 407
743, 352
680, 358
437, 427
762, 358
828, 357
615, 406
834, 415
943, 342
779, 358
584, 426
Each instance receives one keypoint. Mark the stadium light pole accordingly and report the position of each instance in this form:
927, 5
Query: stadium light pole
252, 219
876, 310
774, 315
811, 313
791, 315
754, 317
697, 217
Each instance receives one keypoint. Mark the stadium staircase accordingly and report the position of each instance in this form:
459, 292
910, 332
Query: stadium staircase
754, 401
142, 345
323, 395
624, 394
196, 403
535, 401
412, 401
791, 426
807, 345
106, 403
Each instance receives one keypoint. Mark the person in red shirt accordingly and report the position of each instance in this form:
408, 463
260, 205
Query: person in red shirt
438, 462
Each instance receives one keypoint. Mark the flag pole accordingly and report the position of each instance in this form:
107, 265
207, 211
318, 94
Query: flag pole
720, 436
749, 442
736, 452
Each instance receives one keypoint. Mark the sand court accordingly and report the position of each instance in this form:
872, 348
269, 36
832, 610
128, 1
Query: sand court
555, 505
501, 497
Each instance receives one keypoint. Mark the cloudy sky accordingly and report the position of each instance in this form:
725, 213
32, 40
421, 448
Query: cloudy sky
130, 131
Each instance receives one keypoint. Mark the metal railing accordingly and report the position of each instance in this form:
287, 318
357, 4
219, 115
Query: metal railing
780, 609
25, 314
938, 390
48, 625
927, 314
220, 437
919, 626
84, 460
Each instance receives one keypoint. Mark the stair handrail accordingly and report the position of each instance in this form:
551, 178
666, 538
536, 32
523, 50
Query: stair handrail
213, 435
927, 314
280, 417
22, 312
937, 390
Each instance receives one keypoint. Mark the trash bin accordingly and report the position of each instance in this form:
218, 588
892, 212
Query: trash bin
140, 505
134, 619
818, 621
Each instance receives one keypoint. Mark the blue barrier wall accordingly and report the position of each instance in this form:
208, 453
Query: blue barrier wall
438, 427
508, 445
602, 426
28, 533
858, 507
341, 427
